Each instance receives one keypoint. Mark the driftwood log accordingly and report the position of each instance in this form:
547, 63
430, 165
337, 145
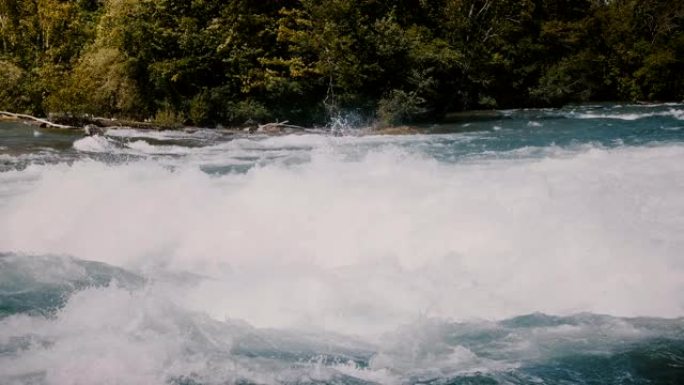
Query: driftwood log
39, 120
96, 126
279, 127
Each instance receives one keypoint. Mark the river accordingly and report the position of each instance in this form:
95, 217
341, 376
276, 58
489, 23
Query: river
539, 247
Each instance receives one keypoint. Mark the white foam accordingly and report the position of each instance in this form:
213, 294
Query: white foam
161, 135
95, 144
107, 336
363, 246
648, 105
102, 144
425, 349
146, 148
675, 113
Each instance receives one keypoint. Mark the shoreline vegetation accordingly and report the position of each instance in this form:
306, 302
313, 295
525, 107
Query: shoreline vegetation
91, 125
278, 65
98, 125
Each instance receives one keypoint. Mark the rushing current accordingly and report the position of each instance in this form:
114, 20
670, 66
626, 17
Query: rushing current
533, 247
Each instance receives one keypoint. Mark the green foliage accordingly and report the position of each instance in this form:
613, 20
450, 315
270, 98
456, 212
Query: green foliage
569, 80
229, 62
167, 117
399, 107
101, 84
10, 82
200, 109
248, 111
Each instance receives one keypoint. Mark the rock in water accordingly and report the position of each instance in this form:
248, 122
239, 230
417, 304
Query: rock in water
91, 130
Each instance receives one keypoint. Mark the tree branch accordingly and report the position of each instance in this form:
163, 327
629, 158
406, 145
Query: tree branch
39, 120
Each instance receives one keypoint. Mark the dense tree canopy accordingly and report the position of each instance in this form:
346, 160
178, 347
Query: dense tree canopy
207, 62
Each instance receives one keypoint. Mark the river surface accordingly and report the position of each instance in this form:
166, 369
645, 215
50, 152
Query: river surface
539, 247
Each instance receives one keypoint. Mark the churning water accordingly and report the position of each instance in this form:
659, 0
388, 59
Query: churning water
541, 247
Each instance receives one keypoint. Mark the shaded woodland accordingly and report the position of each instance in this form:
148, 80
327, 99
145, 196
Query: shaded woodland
209, 62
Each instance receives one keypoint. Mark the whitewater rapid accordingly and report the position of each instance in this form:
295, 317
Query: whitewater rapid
371, 244
148, 258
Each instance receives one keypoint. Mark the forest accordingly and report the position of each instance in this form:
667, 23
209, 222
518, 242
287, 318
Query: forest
211, 62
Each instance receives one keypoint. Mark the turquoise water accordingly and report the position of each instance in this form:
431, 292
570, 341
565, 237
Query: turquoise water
507, 134
531, 247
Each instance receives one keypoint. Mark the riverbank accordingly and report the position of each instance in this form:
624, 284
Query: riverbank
455, 121
95, 125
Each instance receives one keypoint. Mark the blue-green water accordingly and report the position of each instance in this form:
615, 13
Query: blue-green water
505, 134
531, 247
